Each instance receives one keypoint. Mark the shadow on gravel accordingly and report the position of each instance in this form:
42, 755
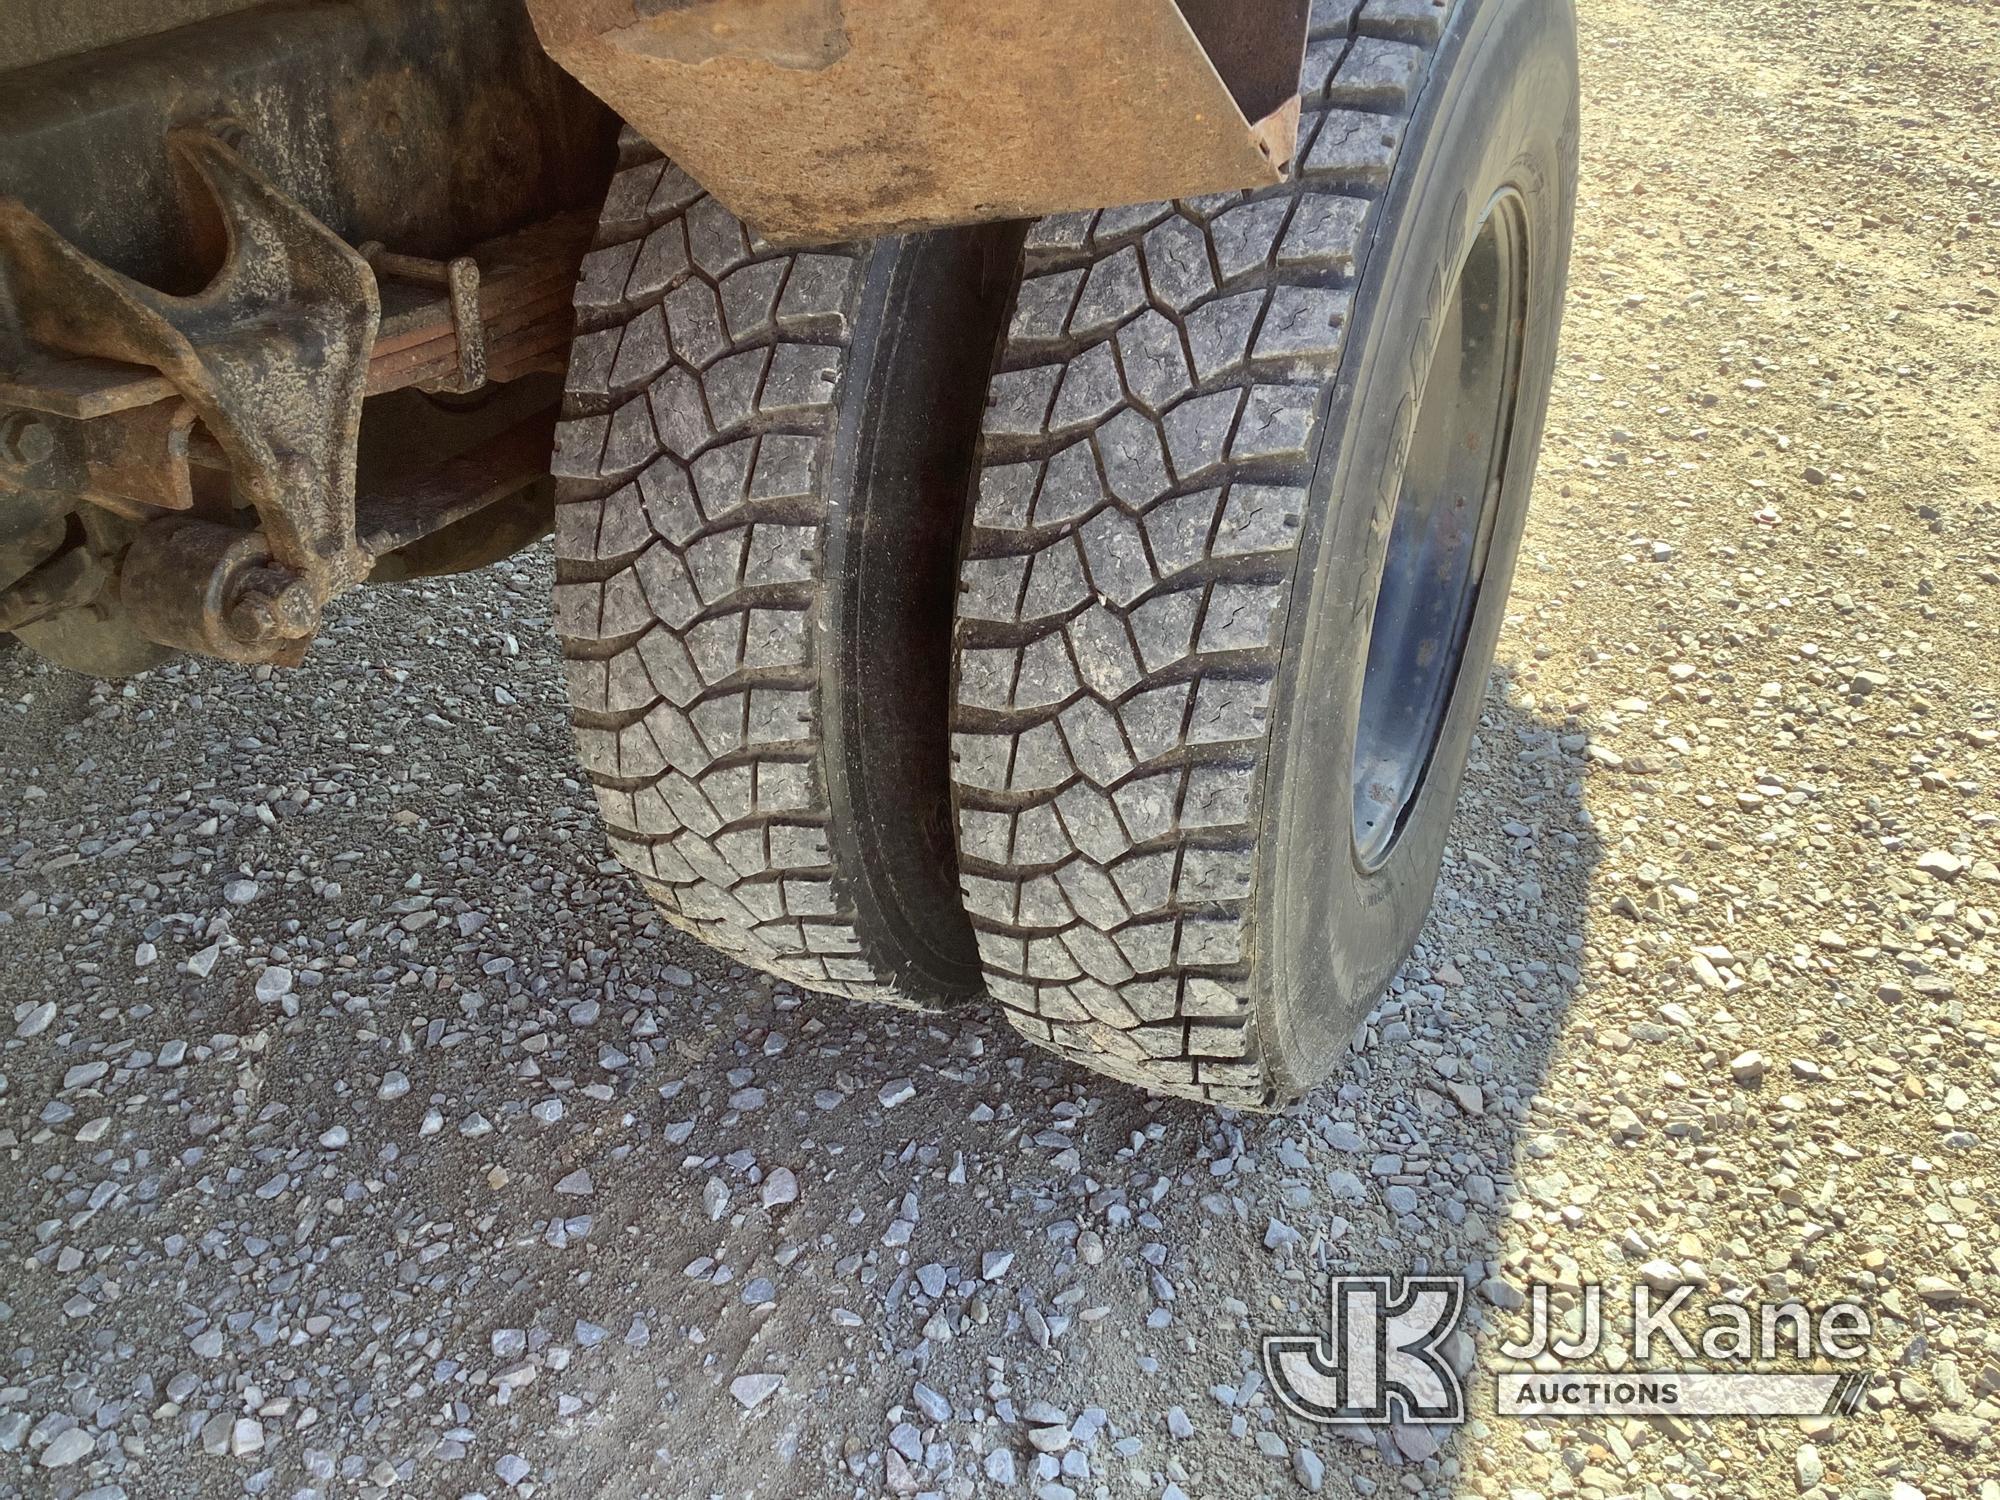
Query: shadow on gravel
1444, 1092
504, 1179
1042, 1247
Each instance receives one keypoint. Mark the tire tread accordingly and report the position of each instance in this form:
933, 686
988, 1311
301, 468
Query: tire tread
693, 466
1151, 435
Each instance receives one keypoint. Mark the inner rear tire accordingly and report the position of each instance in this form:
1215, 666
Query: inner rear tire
1254, 475
760, 491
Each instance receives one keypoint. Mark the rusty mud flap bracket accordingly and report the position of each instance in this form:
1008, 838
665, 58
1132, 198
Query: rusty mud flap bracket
834, 119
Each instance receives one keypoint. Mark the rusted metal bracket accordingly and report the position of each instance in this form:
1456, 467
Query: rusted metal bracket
133, 462
272, 356
837, 119
525, 282
130, 394
460, 279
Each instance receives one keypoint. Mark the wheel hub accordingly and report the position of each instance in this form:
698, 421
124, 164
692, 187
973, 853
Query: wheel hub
1442, 533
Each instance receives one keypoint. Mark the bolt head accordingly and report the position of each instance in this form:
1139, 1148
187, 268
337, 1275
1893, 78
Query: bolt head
291, 614
254, 618
27, 439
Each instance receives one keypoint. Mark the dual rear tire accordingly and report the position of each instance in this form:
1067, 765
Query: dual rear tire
1207, 598
756, 526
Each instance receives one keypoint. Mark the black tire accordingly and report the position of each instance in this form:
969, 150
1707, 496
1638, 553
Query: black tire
1193, 468
761, 472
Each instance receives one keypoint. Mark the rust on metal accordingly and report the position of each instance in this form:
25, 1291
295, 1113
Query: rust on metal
199, 585
272, 354
260, 377
257, 383
459, 279
831, 119
202, 586
133, 461
65, 581
423, 503
523, 297
181, 360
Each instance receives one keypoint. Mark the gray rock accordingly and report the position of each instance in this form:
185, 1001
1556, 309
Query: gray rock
1811, 1469
752, 1391
1308, 1469
780, 1187
70, 1446
933, 1405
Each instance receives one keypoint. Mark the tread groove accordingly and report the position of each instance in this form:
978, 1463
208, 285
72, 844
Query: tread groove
1123, 944
710, 781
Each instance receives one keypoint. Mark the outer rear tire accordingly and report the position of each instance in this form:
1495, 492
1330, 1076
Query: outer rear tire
760, 481
1195, 847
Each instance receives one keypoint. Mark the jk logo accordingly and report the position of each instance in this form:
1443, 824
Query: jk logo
1378, 1359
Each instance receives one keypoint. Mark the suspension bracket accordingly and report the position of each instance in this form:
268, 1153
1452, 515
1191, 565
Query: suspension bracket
272, 355
172, 414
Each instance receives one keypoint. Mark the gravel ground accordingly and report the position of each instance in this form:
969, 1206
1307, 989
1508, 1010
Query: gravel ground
362, 1131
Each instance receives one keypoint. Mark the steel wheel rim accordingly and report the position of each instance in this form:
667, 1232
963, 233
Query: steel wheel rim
1440, 539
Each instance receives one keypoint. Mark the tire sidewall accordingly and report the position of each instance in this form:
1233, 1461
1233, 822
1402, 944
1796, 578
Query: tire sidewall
932, 307
1499, 112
